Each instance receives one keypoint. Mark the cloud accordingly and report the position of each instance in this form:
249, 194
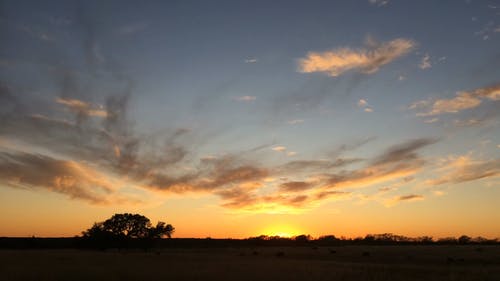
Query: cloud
462, 101
432, 120
425, 62
399, 161
239, 184
352, 145
410, 197
471, 122
67, 152
82, 108
364, 104
80, 159
314, 165
379, 2
291, 153
487, 31
464, 169
403, 152
295, 121
245, 98
295, 186
111, 145
365, 60
251, 60
402, 198
279, 203
328, 194
438, 193
73, 179
279, 148
113, 148
233, 175
211, 174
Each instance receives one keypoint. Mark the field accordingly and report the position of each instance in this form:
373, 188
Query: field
298, 263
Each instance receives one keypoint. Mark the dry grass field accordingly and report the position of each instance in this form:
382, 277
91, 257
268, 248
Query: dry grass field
428, 263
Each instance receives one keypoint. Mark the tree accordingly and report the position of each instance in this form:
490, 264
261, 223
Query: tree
125, 226
162, 229
464, 239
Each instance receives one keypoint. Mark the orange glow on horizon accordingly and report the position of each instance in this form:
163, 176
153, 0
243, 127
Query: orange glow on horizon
282, 231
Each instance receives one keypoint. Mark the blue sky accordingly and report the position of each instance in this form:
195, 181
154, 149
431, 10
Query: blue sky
250, 107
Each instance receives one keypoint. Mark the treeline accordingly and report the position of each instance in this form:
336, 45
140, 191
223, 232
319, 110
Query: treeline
82, 242
374, 239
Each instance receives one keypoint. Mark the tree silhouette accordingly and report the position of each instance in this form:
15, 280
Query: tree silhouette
121, 228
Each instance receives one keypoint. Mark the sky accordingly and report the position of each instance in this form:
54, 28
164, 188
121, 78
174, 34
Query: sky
231, 119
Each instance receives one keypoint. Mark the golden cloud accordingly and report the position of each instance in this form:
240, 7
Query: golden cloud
81, 107
366, 60
462, 101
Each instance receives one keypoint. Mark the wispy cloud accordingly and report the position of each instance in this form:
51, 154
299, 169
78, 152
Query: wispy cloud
379, 2
295, 186
462, 101
410, 197
295, 121
365, 60
471, 122
487, 31
82, 108
239, 184
245, 98
35, 171
113, 148
362, 103
279, 148
397, 162
425, 62
458, 169
297, 166
251, 60
390, 202
438, 193
432, 120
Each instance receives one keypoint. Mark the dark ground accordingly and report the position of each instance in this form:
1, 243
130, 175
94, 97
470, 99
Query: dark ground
458, 262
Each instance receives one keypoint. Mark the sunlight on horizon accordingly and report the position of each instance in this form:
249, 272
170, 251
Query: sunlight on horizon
321, 117
281, 230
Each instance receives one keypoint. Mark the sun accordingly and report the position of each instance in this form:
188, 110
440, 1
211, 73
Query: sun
282, 234
285, 231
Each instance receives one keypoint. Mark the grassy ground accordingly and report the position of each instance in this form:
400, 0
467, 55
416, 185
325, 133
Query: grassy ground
334, 263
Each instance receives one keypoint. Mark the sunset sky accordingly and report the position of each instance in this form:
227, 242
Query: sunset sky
240, 118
